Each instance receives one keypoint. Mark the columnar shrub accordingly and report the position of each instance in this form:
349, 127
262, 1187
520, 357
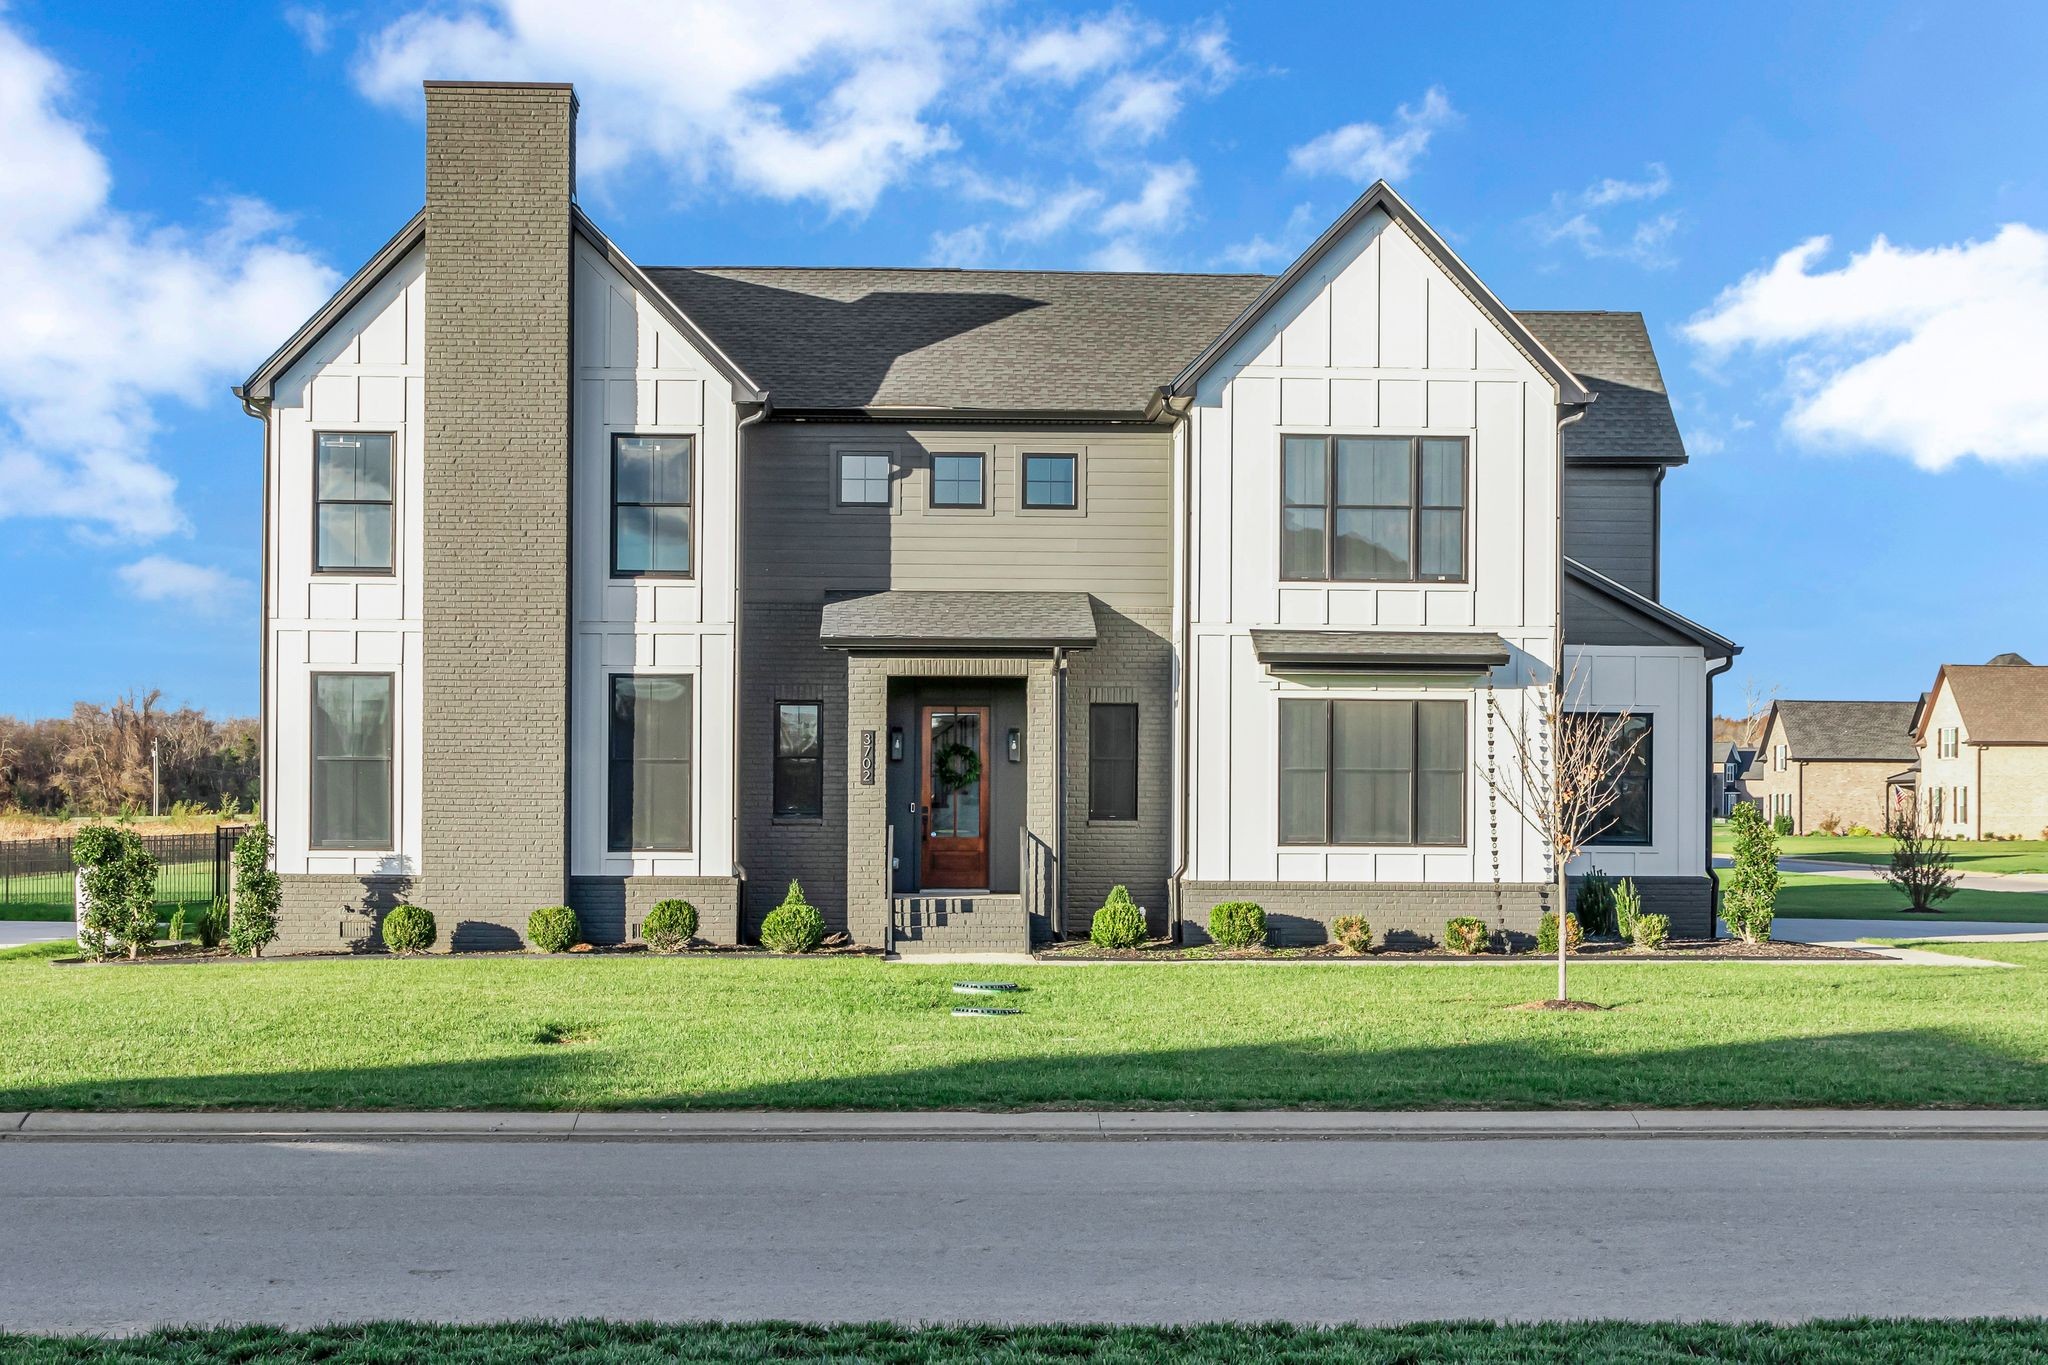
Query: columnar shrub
1351, 933
408, 929
1237, 924
1650, 931
669, 926
1628, 903
795, 926
1594, 903
1546, 933
1750, 898
252, 917
119, 886
553, 929
1466, 935
1119, 923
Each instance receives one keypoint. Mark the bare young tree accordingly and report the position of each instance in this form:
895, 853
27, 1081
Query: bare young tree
1921, 868
1756, 705
1563, 777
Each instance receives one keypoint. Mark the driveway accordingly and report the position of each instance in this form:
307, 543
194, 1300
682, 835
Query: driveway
15, 932
1022, 1231
1947, 931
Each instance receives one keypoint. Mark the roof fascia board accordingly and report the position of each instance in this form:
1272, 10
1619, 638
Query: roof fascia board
1380, 195
745, 390
1718, 646
1011, 416
257, 387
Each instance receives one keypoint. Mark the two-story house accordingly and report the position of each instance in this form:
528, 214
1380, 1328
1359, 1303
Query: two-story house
960, 596
1982, 733
1830, 761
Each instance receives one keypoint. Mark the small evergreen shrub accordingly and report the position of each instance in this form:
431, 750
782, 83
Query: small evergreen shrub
118, 879
795, 926
252, 922
1594, 903
1237, 924
1749, 898
553, 929
1546, 934
1863, 832
1651, 931
1628, 903
669, 926
1351, 933
1781, 825
1120, 923
408, 929
1466, 935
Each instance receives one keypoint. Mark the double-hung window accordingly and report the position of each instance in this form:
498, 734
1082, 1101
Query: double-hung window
1112, 761
1372, 772
1627, 817
799, 760
652, 512
864, 478
649, 768
1049, 481
352, 502
1376, 509
957, 481
352, 745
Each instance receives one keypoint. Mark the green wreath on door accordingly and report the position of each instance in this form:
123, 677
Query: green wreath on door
954, 768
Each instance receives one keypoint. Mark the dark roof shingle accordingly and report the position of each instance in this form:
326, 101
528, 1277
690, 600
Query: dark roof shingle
1849, 731
2001, 703
1404, 651
959, 620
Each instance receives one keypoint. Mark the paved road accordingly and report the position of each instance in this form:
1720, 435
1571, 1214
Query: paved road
15, 932
1020, 1231
1948, 930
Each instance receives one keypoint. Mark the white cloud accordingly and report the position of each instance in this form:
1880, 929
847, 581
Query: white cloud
1133, 108
313, 26
1067, 53
197, 587
1054, 214
1159, 207
1370, 151
1264, 254
963, 247
1125, 253
1935, 354
1586, 220
104, 315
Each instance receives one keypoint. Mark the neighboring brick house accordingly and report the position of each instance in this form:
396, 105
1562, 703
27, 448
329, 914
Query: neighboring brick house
1830, 759
960, 596
1982, 732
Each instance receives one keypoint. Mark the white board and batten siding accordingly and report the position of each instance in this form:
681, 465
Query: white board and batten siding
365, 374
637, 375
1377, 340
1668, 684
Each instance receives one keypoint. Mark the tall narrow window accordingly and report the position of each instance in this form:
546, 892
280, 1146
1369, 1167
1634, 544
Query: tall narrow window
864, 479
956, 481
1381, 509
799, 760
1372, 772
1627, 820
1112, 761
1049, 481
652, 509
651, 723
352, 744
352, 504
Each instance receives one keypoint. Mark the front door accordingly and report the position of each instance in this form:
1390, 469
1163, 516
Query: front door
955, 794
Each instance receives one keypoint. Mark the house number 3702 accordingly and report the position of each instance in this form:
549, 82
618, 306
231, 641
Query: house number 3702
867, 758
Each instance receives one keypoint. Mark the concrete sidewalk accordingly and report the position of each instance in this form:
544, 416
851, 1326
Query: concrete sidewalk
1056, 1125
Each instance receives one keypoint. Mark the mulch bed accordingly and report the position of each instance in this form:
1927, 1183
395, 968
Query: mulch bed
1674, 950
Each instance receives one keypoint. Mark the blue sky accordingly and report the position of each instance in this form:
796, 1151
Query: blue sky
1835, 222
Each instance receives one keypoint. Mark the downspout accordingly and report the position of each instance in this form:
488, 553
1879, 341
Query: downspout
1183, 785
260, 410
1059, 805
739, 523
1713, 877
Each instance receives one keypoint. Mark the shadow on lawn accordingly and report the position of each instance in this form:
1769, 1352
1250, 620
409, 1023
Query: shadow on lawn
1569, 1066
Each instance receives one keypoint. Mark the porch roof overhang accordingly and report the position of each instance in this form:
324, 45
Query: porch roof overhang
1379, 651
959, 622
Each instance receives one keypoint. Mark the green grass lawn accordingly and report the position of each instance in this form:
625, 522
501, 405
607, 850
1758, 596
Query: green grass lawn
1866, 1342
696, 1033
1970, 855
1813, 895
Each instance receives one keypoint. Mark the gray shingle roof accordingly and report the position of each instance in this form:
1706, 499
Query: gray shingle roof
959, 620
1631, 419
1405, 651
1849, 731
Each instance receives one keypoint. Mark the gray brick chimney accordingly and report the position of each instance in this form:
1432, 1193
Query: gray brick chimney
494, 827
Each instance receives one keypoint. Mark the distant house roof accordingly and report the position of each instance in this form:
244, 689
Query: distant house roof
1373, 651
995, 621
2000, 703
1848, 731
1721, 750
2008, 660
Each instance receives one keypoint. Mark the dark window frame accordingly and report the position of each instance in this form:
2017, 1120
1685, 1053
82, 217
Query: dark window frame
391, 504
1024, 499
776, 758
1608, 838
612, 761
1414, 507
313, 765
1101, 815
692, 445
981, 463
1415, 770
841, 454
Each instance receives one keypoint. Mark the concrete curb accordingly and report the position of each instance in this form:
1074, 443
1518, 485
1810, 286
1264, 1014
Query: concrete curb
1041, 1126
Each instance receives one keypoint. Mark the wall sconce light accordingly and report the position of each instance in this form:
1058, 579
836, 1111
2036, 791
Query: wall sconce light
1016, 745
895, 744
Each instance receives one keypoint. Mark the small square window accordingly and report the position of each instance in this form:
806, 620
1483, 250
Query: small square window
864, 479
1049, 480
956, 481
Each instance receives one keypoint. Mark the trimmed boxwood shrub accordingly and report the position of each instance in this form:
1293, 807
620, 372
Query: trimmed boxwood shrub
408, 929
795, 926
1651, 931
1546, 934
1119, 923
1351, 933
1466, 934
553, 929
1237, 924
669, 926
258, 894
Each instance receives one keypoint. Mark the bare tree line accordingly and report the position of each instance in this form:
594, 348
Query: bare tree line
96, 760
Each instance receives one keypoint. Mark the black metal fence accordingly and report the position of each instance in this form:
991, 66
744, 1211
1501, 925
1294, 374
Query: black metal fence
36, 875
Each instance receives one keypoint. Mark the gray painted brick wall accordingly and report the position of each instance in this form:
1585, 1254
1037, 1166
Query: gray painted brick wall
1299, 913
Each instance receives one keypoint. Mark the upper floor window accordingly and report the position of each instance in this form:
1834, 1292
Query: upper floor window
352, 504
649, 763
1377, 509
1781, 757
864, 479
352, 741
1049, 480
1627, 817
799, 760
1949, 742
652, 515
956, 481
1372, 772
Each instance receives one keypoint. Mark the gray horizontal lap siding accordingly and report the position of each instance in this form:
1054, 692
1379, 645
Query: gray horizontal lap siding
1610, 522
